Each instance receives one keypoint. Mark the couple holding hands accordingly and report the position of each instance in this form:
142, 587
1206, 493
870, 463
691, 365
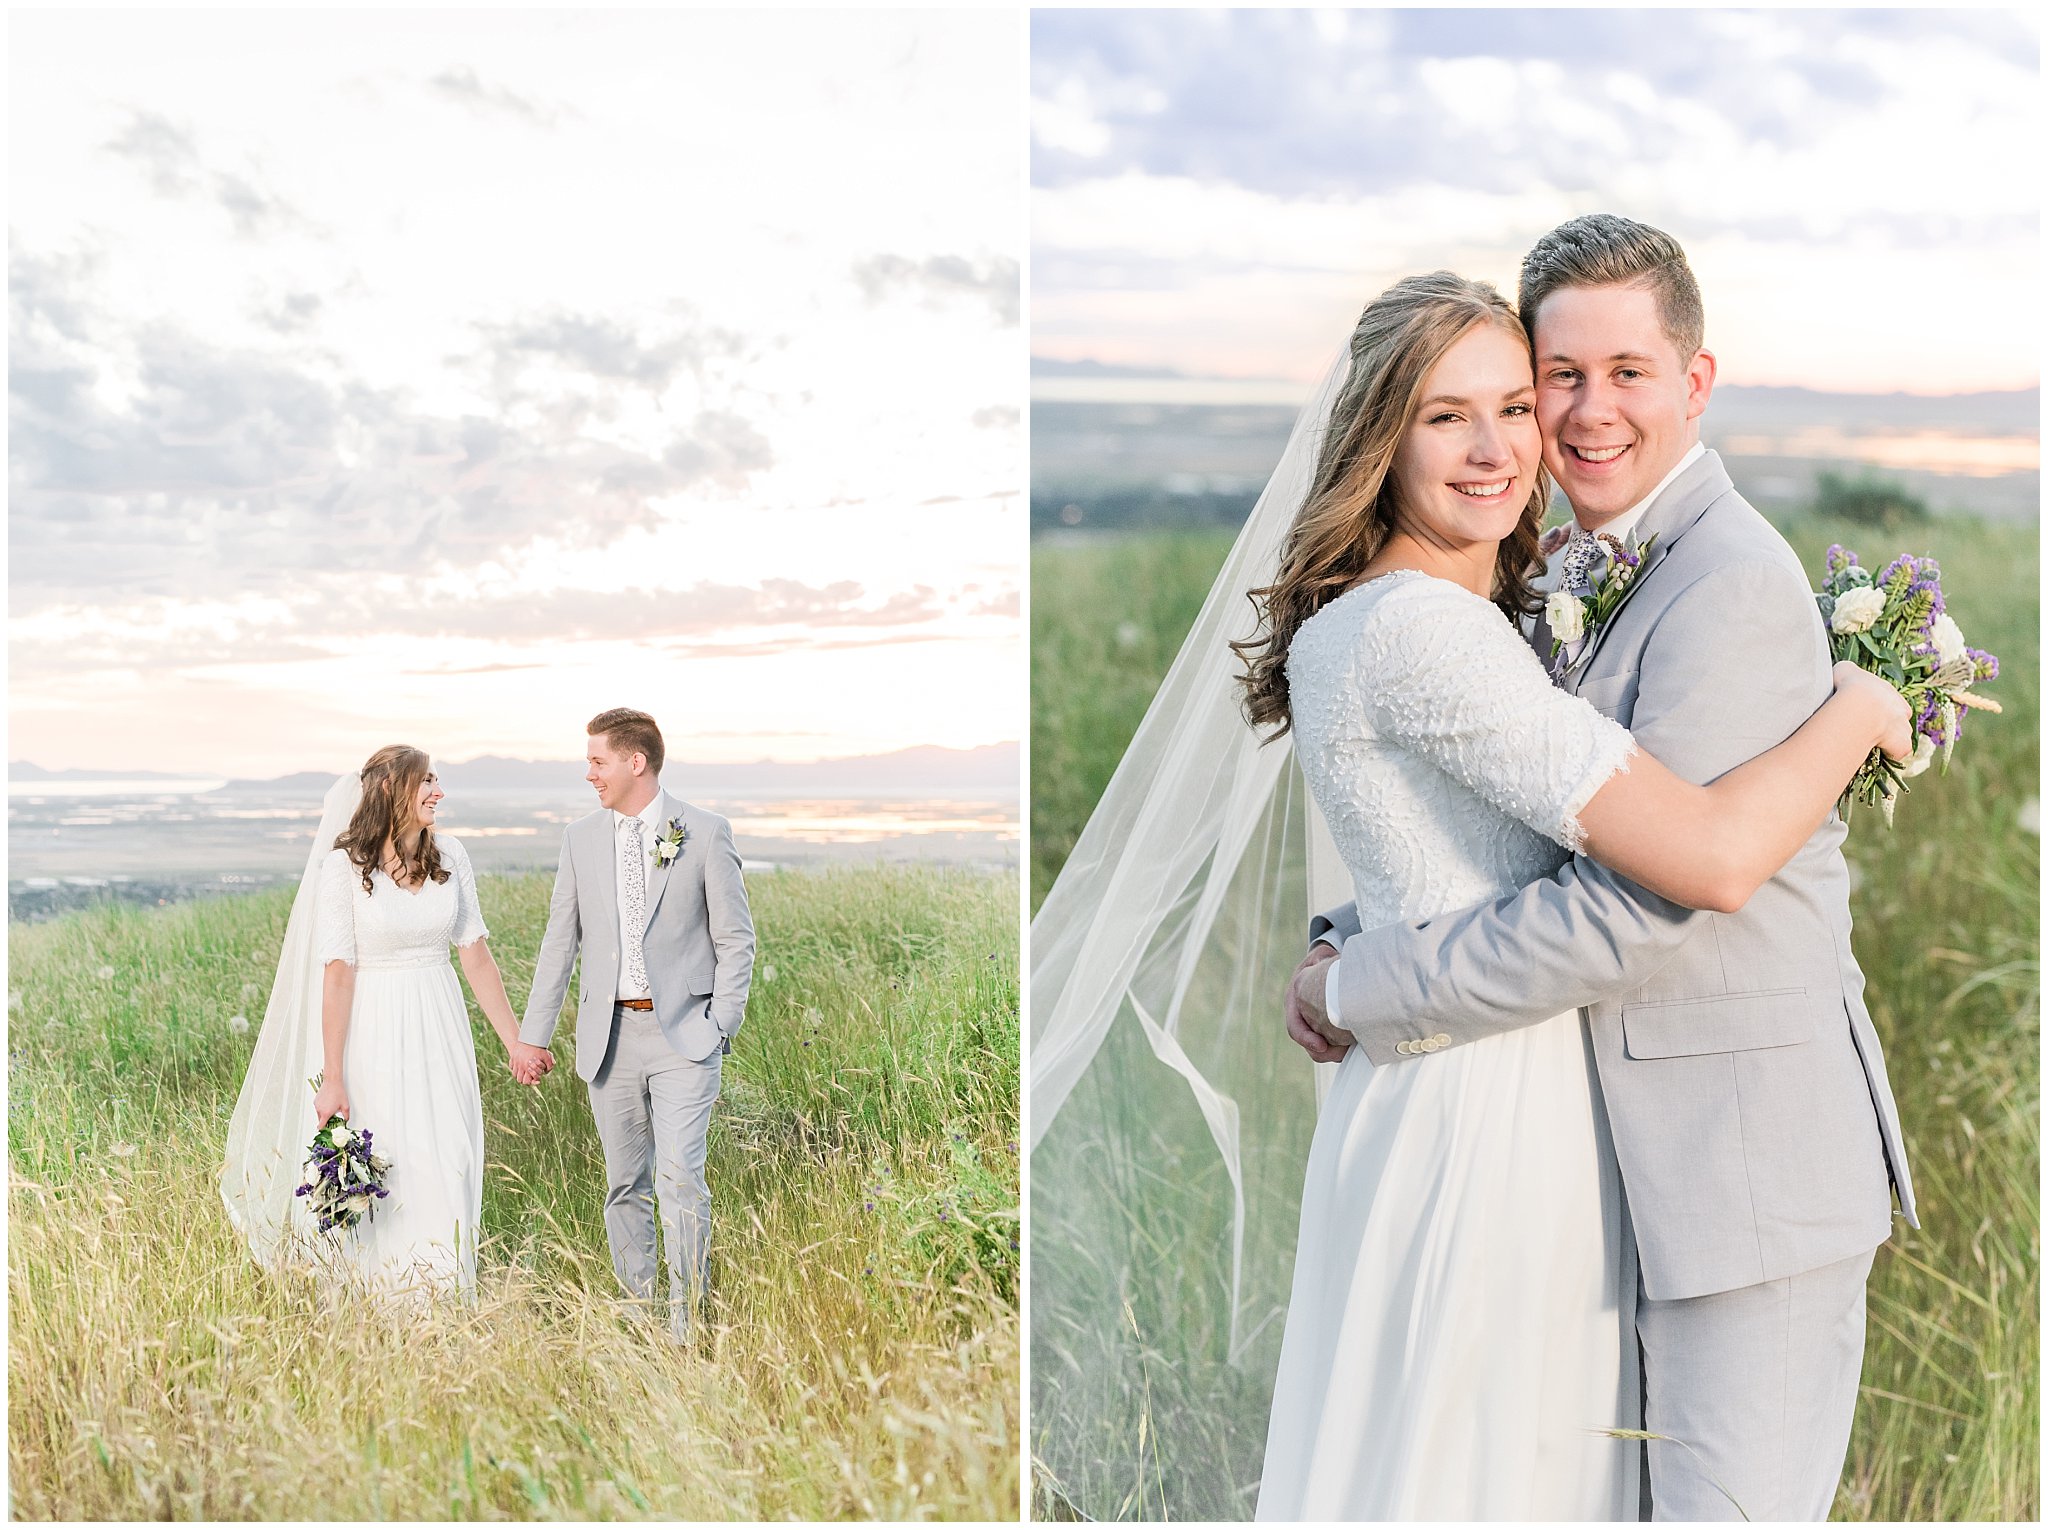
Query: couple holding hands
649, 889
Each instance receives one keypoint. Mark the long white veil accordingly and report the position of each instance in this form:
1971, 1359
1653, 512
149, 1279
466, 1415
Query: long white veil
273, 1119
1170, 1114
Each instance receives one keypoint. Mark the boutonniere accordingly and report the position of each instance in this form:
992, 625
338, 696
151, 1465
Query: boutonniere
669, 844
1606, 567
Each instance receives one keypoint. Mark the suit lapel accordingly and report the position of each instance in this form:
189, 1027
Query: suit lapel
658, 881
1677, 510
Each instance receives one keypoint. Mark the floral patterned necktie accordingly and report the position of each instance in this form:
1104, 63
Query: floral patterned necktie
1578, 555
633, 916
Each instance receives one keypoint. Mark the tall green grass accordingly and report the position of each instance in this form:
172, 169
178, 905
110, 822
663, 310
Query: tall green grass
1946, 929
861, 1356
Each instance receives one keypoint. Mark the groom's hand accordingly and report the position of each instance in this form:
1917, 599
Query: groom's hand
1307, 1023
529, 1064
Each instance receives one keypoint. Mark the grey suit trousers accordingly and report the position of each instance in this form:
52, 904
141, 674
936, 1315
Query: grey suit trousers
1760, 1382
653, 1111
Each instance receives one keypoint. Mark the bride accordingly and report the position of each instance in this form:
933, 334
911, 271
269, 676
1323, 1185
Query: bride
1455, 1330
366, 1000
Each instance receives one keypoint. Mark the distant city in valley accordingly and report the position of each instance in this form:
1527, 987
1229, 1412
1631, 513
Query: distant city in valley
1121, 448
150, 837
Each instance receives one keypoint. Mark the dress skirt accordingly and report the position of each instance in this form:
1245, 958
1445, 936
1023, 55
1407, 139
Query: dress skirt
1462, 1318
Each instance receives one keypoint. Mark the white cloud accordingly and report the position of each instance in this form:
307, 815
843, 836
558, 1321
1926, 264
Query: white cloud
1843, 180
364, 308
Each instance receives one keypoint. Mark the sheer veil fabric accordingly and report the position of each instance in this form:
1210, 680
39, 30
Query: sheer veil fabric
1170, 1114
273, 1119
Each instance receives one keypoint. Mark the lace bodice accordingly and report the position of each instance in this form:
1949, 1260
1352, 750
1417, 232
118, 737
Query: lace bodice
1449, 768
390, 927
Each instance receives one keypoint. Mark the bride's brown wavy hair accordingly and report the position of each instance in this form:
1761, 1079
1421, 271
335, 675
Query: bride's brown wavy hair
391, 780
1351, 505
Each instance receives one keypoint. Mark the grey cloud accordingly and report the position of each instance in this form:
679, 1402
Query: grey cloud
464, 88
1286, 102
604, 348
170, 157
722, 447
940, 278
163, 150
241, 472
291, 314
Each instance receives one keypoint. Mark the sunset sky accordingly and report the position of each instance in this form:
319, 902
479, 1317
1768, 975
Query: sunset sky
1218, 193
450, 377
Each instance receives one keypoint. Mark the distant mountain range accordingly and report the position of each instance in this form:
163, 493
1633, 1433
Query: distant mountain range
1736, 406
991, 770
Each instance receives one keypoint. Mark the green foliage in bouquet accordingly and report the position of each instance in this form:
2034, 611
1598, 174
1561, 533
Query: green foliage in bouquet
346, 1176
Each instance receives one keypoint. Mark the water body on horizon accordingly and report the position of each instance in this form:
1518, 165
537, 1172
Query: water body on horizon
1110, 453
161, 841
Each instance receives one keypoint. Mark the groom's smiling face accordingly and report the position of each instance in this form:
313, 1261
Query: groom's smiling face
622, 780
1617, 402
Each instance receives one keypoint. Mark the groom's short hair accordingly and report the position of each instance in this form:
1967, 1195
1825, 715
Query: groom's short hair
1607, 250
629, 732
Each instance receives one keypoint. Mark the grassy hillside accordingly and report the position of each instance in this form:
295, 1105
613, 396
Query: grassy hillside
861, 1358
1946, 929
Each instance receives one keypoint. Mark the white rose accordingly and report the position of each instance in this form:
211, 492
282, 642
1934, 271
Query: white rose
1948, 638
1566, 614
339, 1135
1923, 756
1857, 610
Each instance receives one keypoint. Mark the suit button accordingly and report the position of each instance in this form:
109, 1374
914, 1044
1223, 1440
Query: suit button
1429, 1044
1443, 1041
1403, 1048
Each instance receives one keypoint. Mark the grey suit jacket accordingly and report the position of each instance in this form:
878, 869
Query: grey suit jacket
698, 944
1751, 1113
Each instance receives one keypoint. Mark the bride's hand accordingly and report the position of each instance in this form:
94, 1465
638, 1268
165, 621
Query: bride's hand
1895, 717
529, 1064
329, 1101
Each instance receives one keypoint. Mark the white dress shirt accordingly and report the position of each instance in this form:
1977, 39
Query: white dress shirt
651, 818
1618, 528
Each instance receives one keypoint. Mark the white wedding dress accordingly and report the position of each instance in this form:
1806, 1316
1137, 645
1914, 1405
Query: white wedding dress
1462, 1312
410, 1068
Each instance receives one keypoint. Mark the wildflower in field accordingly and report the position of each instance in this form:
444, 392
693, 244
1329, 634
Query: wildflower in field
105, 973
250, 990
1129, 635
123, 1150
238, 1023
13, 1000
768, 972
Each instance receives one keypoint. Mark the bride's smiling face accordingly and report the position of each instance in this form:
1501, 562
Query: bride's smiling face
1466, 466
426, 800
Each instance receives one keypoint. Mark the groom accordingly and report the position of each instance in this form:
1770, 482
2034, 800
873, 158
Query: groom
1758, 1142
649, 887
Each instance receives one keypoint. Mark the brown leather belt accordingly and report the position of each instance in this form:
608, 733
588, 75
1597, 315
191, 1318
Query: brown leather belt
632, 1004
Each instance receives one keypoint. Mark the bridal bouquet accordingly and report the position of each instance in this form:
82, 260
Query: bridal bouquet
347, 1177
1896, 624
